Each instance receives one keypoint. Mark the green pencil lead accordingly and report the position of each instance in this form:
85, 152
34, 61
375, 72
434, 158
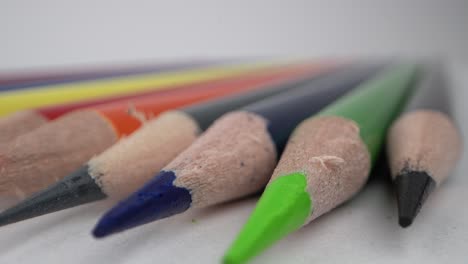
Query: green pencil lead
283, 208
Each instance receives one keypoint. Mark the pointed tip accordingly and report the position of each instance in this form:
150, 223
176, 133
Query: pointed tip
283, 208
405, 221
231, 259
100, 232
412, 190
75, 189
158, 199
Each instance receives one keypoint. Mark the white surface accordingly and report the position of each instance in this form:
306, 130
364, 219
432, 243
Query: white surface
365, 230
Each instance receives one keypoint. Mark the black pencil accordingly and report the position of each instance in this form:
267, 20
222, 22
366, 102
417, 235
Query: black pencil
424, 144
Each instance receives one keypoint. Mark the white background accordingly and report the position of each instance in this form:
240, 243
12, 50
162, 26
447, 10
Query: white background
364, 230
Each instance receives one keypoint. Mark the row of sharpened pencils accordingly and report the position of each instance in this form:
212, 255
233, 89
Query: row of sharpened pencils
170, 137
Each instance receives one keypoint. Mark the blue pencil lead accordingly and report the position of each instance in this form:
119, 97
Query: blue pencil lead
158, 199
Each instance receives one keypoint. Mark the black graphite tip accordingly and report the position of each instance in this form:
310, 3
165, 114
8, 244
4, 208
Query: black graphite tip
412, 190
76, 189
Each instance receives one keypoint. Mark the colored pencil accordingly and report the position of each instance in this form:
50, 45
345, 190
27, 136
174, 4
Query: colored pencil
127, 165
233, 158
37, 159
15, 100
424, 144
38, 78
20, 122
326, 162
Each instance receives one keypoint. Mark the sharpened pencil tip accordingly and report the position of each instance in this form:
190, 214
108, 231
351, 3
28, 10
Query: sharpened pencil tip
158, 199
99, 232
76, 189
405, 221
230, 259
282, 209
412, 189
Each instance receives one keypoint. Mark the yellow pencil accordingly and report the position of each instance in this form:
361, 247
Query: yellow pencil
12, 101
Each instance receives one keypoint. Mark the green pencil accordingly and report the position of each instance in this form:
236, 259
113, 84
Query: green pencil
326, 161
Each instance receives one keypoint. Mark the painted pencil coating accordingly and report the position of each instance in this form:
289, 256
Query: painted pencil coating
31, 98
326, 161
261, 74
433, 91
35, 79
204, 114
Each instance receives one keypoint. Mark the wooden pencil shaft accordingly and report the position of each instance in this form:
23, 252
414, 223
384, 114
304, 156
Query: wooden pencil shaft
18, 123
426, 141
